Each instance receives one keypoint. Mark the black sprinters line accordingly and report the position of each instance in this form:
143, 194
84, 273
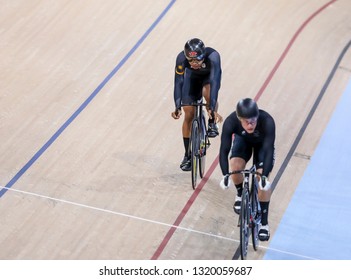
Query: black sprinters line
309, 117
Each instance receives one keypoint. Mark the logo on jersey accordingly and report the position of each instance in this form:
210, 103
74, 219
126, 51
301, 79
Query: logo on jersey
179, 70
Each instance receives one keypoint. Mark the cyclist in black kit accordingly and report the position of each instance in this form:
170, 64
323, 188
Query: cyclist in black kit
197, 74
254, 133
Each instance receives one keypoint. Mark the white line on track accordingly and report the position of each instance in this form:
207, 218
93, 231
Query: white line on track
140, 219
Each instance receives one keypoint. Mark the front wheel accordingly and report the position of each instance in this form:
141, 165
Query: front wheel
203, 147
254, 229
194, 142
244, 224
256, 215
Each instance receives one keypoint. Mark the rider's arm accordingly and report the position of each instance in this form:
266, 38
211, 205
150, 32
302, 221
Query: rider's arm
178, 79
215, 78
226, 143
268, 146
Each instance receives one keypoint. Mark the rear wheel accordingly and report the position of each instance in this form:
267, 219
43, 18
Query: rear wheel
244, 224
195, 139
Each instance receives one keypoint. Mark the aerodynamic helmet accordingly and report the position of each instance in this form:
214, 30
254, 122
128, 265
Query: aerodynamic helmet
194, 49
247, 108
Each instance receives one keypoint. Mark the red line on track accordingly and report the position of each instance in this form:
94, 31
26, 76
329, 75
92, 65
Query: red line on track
208, 174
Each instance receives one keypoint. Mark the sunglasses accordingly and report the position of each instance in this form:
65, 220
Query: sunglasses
192, 60
251, 121
195, 58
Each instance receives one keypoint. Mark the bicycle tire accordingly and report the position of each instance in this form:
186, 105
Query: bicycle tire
203, 147
244, 224
256, 219
195, 138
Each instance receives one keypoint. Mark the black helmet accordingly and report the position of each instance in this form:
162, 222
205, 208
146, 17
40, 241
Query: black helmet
247, 109
194, 49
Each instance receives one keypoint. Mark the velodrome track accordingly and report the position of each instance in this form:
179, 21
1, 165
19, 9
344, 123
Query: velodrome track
89, 164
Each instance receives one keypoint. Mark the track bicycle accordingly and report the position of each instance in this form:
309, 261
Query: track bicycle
250, 213
198, 142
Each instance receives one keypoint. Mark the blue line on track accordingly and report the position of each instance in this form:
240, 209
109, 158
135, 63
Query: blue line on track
316, 223
286, 246
84, 104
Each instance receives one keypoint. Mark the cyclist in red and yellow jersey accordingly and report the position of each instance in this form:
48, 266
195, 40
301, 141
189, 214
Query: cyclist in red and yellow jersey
197, 74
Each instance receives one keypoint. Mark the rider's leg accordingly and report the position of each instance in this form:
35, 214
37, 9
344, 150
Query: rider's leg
264, 198
237, 163
206, 94
240, 154
191, 92
189, 112
213, 129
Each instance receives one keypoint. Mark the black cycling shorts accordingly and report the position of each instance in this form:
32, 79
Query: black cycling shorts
192, 87
244, 149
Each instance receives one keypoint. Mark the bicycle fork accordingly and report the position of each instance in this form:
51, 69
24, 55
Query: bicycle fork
203, 138
245, 189
255, 213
